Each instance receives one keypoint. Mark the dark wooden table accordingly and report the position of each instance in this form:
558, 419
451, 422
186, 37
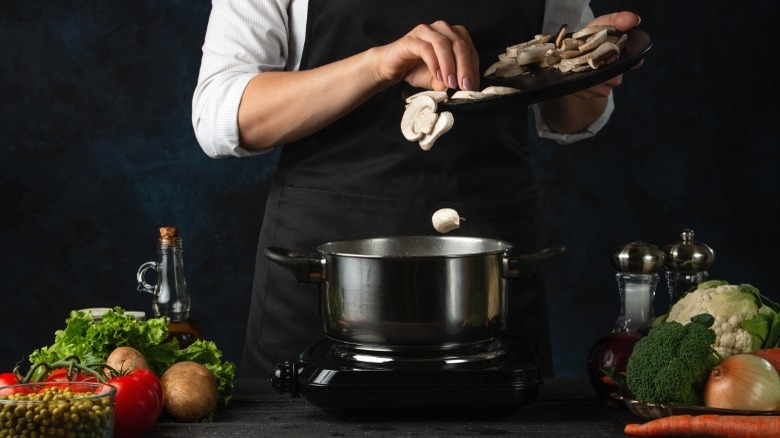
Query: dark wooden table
564, 407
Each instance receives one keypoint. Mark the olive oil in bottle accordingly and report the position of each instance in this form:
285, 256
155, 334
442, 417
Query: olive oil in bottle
170, 296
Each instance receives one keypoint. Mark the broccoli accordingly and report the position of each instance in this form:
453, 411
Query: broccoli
671, 364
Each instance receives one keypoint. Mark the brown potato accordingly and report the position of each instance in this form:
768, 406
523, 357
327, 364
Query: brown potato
189, 391
124, 359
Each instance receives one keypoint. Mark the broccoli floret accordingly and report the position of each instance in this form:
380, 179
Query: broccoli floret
671, 363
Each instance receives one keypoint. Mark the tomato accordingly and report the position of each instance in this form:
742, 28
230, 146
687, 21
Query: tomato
7, 379
137, 404
152, 380
61, 375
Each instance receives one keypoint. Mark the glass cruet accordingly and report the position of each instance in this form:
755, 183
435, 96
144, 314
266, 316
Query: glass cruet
170, 297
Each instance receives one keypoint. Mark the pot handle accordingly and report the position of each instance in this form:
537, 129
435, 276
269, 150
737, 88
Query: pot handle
525, 265
306, 269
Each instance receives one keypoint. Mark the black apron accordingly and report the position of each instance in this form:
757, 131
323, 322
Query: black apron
360, 178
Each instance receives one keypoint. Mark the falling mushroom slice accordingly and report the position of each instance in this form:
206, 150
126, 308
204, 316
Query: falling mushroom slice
443, 124
445, 220
415, 116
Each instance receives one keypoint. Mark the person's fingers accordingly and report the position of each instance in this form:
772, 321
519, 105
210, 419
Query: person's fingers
456, 58
623, 20
468, 66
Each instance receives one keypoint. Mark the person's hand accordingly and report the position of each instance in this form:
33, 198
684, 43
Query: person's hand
434, 56
622, 21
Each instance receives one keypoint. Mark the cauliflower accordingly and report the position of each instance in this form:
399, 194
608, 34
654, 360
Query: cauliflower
745, 320
729, 306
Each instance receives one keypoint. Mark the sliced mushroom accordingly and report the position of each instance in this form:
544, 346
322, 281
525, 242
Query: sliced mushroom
594, 41
604, 54
569, 44
551, 58
437, 96
499, 89
509, 70
424, 121
443, 124
466, 95
590, 30
415, 109
567, 54
621, 41
561, 35
533, 54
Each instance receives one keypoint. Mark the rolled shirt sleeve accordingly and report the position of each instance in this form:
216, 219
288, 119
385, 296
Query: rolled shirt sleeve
243, 39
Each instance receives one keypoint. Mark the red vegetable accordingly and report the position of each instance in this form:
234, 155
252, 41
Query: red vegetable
718, 426
152, 380
772, 355
137, 403
7, 379
63, 375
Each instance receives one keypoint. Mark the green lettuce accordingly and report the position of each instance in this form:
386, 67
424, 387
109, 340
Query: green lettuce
92, 343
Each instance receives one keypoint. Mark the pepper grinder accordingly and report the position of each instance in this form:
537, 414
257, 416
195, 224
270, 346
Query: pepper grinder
638, 265
687, 264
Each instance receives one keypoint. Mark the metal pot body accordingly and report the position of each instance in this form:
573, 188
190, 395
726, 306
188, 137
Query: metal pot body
411, 292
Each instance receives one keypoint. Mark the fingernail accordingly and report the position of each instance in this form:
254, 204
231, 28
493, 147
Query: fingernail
638, 20
468, 84
438, 75
452, 81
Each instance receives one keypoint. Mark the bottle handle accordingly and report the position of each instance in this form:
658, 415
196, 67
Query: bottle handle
143, 286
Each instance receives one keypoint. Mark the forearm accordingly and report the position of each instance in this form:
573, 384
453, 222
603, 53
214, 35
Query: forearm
280, 107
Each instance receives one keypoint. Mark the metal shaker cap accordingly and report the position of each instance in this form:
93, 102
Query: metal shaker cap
688, 255
638, 258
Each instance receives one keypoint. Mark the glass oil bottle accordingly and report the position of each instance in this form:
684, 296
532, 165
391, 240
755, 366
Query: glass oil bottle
170, 296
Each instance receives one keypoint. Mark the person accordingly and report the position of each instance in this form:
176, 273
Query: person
325, 80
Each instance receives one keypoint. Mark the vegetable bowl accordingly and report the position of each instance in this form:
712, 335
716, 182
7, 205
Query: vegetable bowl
57, 409
652, 411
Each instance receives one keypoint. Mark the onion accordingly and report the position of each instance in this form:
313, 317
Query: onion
743, 382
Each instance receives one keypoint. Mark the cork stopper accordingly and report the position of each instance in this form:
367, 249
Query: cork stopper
169, 235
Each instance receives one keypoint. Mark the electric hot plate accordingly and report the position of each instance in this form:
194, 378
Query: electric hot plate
490, 380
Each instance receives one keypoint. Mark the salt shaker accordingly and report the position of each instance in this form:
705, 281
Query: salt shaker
687, 264
638, 265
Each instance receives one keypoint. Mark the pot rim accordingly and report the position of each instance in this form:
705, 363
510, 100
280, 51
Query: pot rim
415, 246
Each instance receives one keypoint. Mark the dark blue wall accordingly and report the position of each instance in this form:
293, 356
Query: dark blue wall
97, 151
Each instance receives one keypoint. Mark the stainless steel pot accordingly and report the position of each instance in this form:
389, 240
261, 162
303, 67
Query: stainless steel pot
412, 292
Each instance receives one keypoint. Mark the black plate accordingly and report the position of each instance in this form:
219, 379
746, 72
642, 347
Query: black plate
550, 83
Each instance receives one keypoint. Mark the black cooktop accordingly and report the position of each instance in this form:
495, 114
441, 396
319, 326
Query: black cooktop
493, 379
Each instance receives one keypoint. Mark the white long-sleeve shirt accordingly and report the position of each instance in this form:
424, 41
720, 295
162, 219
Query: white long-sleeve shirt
245, 38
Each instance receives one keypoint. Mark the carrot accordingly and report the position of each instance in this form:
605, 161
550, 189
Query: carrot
720, 426
772, 355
